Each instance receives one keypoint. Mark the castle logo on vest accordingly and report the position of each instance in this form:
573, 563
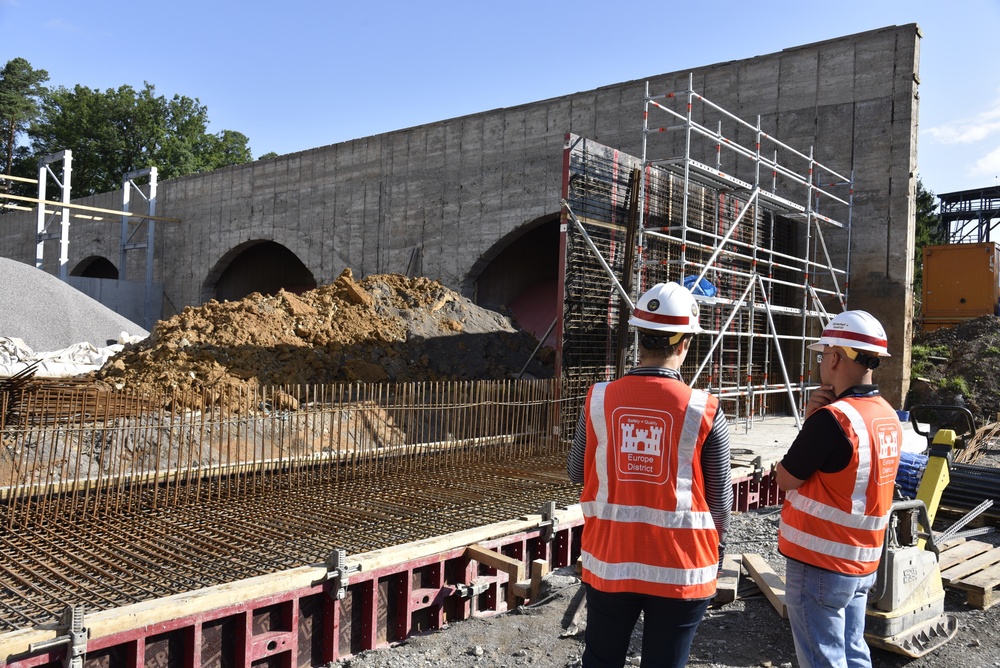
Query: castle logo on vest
887, 435
640, 444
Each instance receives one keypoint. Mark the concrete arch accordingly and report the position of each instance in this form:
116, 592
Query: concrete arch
259, 265
95, 266
520, 273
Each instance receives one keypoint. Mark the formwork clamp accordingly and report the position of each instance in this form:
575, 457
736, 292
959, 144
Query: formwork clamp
75, 636
338, 571
549, 521
473, 589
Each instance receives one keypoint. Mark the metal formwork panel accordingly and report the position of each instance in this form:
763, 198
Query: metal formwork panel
310, 625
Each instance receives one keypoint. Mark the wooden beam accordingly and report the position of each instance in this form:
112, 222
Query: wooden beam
769, 582
528, 589
514, 569
539, 569
729, 579
82, 207
11, 177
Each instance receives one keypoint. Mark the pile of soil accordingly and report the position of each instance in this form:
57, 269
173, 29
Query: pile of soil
384, 328
959, 366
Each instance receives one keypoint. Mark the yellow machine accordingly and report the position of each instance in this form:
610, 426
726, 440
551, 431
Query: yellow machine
906, 607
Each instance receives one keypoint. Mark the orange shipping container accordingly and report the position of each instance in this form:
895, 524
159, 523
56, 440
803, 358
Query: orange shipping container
961, 281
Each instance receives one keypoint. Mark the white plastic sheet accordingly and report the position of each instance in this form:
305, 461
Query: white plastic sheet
77, 359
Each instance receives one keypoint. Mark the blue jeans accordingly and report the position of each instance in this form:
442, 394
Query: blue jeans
668, 627
827, 614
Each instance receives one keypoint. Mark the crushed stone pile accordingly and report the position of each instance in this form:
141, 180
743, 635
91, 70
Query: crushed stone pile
383, 328
959, 366
48, 314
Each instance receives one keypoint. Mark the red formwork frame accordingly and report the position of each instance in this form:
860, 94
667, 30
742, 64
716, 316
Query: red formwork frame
296, 619
757, 489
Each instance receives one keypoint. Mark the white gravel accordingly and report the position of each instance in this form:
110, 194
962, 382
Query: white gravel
48, 314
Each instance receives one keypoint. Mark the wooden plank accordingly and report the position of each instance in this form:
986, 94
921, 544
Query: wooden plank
539, 569
501, 562
980, 587
522, 589
769, 582
729, 578
81, 207
956, 554
962, 569
514, 569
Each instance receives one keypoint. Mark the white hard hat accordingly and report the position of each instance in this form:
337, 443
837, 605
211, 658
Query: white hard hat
666, 307
854, 329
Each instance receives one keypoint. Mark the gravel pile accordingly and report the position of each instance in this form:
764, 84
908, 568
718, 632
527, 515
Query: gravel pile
49, 315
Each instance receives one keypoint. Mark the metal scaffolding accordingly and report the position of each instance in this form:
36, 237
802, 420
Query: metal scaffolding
49, 211
969, 216
734, 214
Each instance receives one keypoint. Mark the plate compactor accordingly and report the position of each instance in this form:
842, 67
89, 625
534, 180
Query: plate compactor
906, 606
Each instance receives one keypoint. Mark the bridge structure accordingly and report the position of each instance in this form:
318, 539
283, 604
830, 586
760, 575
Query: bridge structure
475, 201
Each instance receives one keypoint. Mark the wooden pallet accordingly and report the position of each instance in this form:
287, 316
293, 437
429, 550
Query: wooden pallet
973, 566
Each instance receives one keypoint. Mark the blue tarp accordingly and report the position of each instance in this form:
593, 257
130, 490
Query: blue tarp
704, 287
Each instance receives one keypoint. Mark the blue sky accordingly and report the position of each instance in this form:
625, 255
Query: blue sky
298, 74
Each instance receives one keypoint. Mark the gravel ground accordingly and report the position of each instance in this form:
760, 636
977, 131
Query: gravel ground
747, 632
50, 315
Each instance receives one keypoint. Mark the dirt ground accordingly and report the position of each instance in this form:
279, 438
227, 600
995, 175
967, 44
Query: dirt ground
745, 633
393, 328
959, 366
384, 328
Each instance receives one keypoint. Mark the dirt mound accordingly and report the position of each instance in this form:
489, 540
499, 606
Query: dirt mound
384, 328
959, 366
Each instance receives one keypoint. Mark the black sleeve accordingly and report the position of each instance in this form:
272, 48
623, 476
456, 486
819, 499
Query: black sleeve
820, 446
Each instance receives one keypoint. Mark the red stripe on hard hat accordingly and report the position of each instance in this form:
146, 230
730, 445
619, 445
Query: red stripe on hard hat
863, 338
662, 319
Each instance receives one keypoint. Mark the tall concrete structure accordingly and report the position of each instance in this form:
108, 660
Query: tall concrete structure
474, 201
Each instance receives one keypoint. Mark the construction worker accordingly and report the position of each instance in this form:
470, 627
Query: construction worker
653, 457
838, 478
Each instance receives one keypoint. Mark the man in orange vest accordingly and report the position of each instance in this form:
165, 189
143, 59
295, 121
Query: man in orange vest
838, 477
653, 457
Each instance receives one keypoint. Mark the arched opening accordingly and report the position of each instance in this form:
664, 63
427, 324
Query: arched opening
258, 266
95, 266
520, 274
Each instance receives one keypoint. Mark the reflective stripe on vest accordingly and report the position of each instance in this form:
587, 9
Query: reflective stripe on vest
831, 537
829, 547
684, 577
859, 499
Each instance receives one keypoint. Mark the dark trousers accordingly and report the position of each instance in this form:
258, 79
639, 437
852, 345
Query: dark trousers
668, 628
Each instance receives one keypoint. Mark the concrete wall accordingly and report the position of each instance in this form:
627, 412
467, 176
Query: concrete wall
126, 298
449, 192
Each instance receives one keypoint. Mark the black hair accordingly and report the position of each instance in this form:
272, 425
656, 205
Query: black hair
651, 341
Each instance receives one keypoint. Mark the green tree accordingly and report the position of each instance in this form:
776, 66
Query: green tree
122, 130
21, 92
928, 222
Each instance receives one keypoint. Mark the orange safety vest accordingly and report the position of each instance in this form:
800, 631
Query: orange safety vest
647, 524
837, 520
